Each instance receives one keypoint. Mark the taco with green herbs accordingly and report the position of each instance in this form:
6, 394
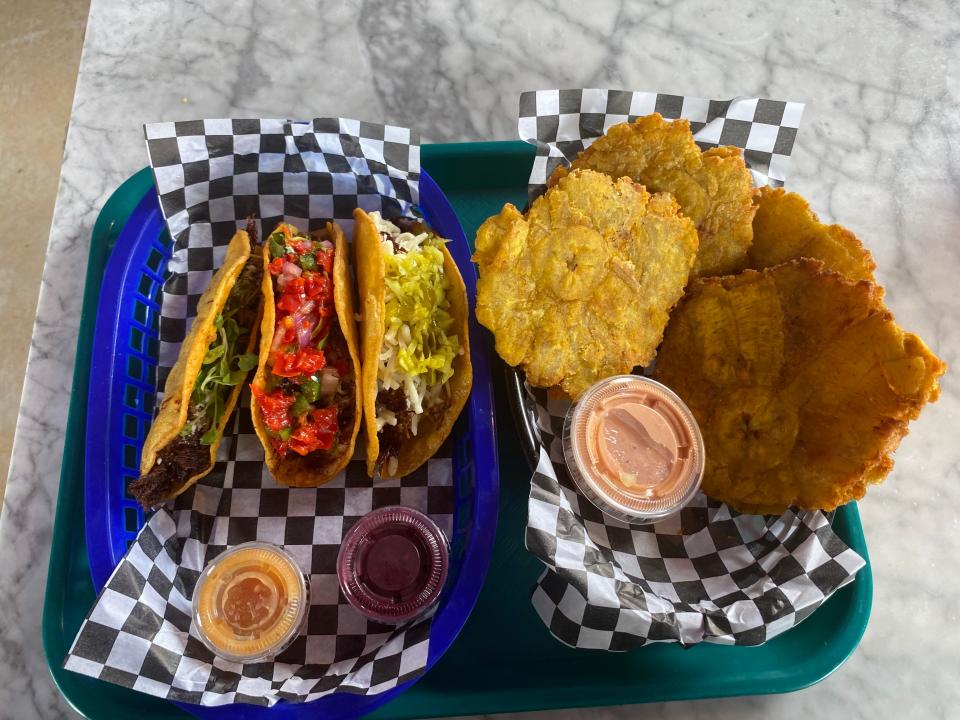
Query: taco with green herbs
205, 383
306, 392
415, 350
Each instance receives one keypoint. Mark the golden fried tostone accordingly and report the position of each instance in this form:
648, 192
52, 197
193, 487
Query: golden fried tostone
714, 188
580, 288
801, 381
785, 228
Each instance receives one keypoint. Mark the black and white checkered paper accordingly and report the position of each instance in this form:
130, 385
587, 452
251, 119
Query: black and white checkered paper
708, 573
562, 123
212, 174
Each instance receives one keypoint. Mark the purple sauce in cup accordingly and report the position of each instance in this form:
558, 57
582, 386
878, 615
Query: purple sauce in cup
392, 564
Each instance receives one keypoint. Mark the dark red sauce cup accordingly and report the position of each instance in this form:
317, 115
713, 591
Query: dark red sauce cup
392, 564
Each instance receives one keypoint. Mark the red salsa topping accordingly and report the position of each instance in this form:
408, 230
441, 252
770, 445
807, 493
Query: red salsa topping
308, 369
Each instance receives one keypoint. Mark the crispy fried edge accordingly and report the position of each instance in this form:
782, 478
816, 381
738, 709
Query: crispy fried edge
655, 122
510, 215
876, 468
768, 199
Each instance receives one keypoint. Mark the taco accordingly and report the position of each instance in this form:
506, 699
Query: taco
204, 384
415, 349
306, 392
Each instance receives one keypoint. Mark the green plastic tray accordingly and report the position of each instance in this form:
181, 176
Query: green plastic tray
504, 660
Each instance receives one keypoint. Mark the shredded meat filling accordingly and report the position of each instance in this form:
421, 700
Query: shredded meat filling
182, 458
393, 437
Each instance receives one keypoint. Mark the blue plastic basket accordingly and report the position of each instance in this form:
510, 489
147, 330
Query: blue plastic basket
120, 409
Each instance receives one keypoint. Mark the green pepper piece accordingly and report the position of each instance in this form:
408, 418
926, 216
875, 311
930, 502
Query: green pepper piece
286, 433
276, 248
311, 389
308, 262
300, 406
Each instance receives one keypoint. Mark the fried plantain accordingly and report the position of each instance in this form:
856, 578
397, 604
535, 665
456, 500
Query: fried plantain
580, 288
801, 381
714, 188
785, 228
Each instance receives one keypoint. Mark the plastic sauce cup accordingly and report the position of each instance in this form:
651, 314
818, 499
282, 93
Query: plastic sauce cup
633, 449
392, 564
250, 602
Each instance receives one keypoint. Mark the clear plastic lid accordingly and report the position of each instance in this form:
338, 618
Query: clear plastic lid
633, 448
392, 564
250, 602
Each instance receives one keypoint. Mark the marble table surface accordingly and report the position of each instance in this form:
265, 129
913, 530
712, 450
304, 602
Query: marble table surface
879, 150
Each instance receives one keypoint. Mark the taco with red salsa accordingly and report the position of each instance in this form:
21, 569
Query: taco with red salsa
306, 402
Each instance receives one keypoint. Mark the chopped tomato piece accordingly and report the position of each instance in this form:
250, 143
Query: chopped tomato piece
275, 266
311, 360
317, 431
284, 364
316, 286
275, 407
288, 328
302, 246
305, 361
290, 302
325, 260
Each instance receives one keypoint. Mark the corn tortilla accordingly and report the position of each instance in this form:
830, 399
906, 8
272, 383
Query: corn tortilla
172, 417
296, 470
370, 280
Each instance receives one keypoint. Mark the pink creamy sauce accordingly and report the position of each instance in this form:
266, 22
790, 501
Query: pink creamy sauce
636, 441
633, 448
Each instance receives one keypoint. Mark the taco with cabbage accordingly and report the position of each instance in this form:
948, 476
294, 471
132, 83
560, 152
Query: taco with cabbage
306, 391
415, 350
205, 382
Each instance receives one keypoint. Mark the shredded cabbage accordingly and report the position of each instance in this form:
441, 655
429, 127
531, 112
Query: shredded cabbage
418, 347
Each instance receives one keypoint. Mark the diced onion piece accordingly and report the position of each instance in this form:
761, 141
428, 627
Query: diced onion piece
304, 323
392, 464
278, 334
304, 333
329, 381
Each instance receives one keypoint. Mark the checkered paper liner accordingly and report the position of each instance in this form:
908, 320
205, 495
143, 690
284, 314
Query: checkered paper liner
211, 175
708, 573
562, 123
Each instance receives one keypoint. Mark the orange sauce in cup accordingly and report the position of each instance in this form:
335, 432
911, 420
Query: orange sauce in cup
250, 602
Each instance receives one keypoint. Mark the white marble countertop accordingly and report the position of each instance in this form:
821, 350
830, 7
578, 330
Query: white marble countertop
879, 150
